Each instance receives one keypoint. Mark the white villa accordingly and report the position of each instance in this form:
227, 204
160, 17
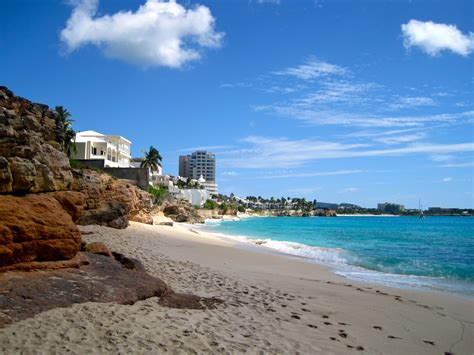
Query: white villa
113, 149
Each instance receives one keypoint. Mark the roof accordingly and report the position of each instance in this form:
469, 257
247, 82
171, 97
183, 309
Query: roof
90, 134
80, 139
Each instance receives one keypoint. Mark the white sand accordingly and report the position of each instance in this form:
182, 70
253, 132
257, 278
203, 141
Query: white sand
273, 304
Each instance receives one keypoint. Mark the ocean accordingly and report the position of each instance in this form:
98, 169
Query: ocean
434, 253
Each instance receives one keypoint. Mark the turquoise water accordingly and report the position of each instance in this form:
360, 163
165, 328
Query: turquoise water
435, 252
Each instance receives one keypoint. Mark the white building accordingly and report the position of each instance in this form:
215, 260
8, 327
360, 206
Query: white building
197, 197
210, 186
113, 149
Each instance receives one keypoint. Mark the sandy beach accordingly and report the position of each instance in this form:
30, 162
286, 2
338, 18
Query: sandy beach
272, 304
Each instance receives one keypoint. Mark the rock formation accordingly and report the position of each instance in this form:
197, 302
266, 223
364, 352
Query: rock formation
24, 294
182, 211
31, 159
109, 201
35, 228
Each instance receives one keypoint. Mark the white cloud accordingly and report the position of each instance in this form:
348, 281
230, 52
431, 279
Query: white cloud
268, 2
311, 174
316, 116
458, 165
272, 153
447, 179
312, 69
159, 33
440, 158
401, 139
229, 173
349, 189
409, 102
209, 148
433, 38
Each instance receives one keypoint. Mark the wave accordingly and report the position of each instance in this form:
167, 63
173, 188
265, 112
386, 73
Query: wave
347, 264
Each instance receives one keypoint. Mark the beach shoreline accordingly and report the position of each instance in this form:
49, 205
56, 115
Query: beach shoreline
272, 303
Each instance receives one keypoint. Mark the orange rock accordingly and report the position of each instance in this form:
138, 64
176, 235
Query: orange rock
98, 248
35, 228
72, 202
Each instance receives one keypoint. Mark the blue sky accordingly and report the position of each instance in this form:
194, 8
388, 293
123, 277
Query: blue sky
342, 101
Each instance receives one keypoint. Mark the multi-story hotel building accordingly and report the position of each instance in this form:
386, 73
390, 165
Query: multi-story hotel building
200, 165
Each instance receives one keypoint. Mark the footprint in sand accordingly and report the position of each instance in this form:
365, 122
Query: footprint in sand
312, 326
429, 342
334, 339
343, 323
327, 323
393, 337
295, 316
377, 327
325, 317
305, 310
342, 333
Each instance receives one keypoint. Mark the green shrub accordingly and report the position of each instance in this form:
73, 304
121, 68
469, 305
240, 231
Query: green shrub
241, 209
210, 205
159, 193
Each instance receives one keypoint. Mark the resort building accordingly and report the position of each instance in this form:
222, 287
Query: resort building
388, 207
113, 149
200, 165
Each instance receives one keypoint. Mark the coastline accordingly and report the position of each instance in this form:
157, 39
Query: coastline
272, 303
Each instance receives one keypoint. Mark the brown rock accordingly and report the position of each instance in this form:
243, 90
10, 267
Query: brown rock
142, 218
111, 202
98, 248
6, 178
72, 202
35, 228
31, 141
25, 294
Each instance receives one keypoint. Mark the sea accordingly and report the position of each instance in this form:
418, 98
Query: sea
433, 253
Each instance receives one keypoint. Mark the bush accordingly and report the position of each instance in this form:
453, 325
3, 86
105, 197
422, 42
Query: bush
241, 209
210, 205
159, 193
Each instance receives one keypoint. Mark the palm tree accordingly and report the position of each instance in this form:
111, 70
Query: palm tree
152, 159
67, 134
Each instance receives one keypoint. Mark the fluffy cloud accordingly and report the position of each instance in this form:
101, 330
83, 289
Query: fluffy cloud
447, 179
435, 37
159, 33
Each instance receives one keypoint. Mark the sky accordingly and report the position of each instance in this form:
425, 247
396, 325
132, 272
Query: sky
339, 101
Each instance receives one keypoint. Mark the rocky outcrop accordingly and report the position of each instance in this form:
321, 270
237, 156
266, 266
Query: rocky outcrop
25, 294
35, 228
31, 159
109, 201
182, 211
71, 201
98, 248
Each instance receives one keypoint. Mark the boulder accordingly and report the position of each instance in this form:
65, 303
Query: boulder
35, 228
110, 213
182, 211
142, 218
98, 248
109, 201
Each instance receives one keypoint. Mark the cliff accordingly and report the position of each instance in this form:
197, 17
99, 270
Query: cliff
31, 157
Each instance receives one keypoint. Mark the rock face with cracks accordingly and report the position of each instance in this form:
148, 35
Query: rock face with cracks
31, 156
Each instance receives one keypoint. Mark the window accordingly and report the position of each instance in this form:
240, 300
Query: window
94, 150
